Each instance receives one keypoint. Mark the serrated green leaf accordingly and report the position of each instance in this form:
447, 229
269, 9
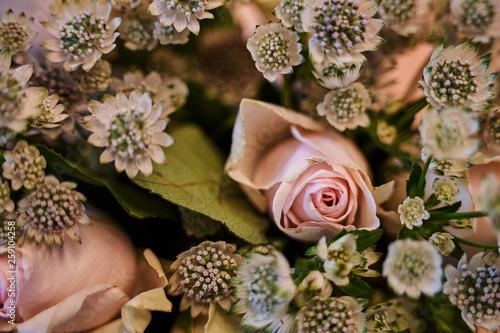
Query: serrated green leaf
136, 201
357, 287
367, 238
194, 178
412, 188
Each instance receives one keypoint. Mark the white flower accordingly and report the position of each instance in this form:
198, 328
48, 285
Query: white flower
264, 288
455, 77
412, 212
332, 75
477, 18
96, 79
314, 284
125, 4
203, 275
6, 203
24, 166
386, 133
137, 31
413, 267
168, 35
16, 32
82, 33
50, 115
404, 16
443, 241
331, 314
475, 289
387, 317
346, 107
341, 29
289, 12
445, 189
183, 14
53, 211
275, 50
17, 101
130, 129
448, 134
340, 258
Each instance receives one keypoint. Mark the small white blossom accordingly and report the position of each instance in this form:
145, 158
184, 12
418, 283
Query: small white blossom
50, 115
449, 167
275, 50
203, 275
6, 203
413, 267
136, 30
126, 4
341, 29
346, 107
331, 75
340, 257
386, 133
264, 288
445, 189
477, 18
455, 77
449, 134
183, 14
52, 211
412, 212
130, 130
81, 33
289, 12
443, 241
404, 16
314, 284
331, 314
96, 79
24, 166
16, 32
168, 35
387, 317
474, 288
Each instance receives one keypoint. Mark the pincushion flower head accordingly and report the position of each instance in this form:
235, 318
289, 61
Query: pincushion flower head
413, 267
168, 35
477, 18
289, 12
24, 166
81, 33
52, 211
264, 288
203, 276
346, 107
404, 16
51, 113
130, 130
474, 287
331, 75
455, 77
137, 28
183, 14
445, 189
341, 29
16, 32
449, 134
275, 49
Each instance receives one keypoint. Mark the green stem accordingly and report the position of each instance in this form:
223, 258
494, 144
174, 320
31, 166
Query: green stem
421, 180
466, 242
410, 114
286, 98
456, 216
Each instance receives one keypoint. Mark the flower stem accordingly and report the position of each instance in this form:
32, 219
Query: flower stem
410, 114
421, 180
286, 98
456, 216
466, 242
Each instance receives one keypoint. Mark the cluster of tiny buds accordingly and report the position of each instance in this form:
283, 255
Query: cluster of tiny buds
453, 81
24, 166
12, 34
339, 24
324, 315
409, 266
398, 10
80, 35
53, 81
293, 7
133, 30
206, 274
274, 51
477, 13
263, 289
478, 292
188, 7
347, 105
126, 132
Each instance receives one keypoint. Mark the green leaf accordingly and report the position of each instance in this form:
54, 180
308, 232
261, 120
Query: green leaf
136, 201
305, 266
357, 287
367, 238
194, 178
405, 233
447, 317
337, 237
446, 209
412, 188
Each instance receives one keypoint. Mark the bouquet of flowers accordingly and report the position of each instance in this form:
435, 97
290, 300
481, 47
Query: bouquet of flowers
227, 166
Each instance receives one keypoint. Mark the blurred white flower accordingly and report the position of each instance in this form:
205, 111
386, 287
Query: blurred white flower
445, 189
81, 33
479, 19
332, 75
314, 284
405, 16
413, 267
289, 12
443, 241
474, 288
264, 287
168, 35
96, 79
52, 211
16, 32
137, 29
412, 212
387, 317
455, 77
449, 134
386, 133
490, 201
125, 4
6, 203
341, 29
346, 107
275, 50
130, 130
183, 14
24, 166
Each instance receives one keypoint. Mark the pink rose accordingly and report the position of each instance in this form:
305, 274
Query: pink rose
313, 182
80, 286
